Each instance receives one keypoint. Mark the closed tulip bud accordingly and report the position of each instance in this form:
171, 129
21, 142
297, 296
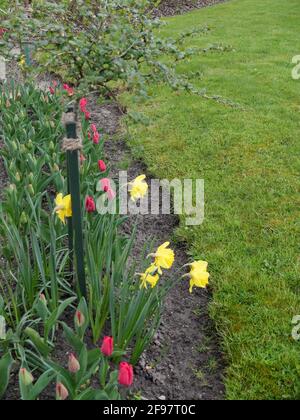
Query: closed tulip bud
73, 364
125, 374
51, 146
79, 319
52, 124
26, 377
16, 119
43, 298
90, 205
12, 188
31, 177
18, 177
31, 190
23, 218
30, 144
55, 168
107, 347
101, 165
54, 156
61, 392
96, 137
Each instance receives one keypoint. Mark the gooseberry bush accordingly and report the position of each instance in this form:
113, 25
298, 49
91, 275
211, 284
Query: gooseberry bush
97, 45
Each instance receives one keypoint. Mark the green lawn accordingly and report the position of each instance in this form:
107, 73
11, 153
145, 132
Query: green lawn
250, 162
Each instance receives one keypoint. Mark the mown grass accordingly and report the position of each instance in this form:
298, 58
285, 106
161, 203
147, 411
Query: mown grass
250, 162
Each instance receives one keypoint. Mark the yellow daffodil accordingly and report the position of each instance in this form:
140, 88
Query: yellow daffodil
150, 276
199, 276
164, 257
63, 207
138, 188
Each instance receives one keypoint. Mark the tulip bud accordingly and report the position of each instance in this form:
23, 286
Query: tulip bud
43, 298
26, 377
61, 392
12, 188
55, 168
22, 148
125, 374
73, 364
30, 177
51, 146
90, 205
18, 177
30, 144
107, 347
31, 190
79, 319
101, 165
23, 218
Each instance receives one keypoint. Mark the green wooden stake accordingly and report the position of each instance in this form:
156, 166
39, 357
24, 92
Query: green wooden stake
70, 226
70, 222
74, 185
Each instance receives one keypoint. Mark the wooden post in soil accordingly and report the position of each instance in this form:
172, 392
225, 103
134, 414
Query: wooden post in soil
72, 145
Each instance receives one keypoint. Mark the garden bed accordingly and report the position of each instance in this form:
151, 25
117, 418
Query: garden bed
176, 7
184, 361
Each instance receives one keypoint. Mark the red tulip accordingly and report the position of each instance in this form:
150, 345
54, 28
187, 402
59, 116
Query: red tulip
61, 392
51, 90
125, 374
107, 347
82, 104
90, 205
70, 91
94, 128
87, 115
101, 165
106, 187
96, 137
73, 364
